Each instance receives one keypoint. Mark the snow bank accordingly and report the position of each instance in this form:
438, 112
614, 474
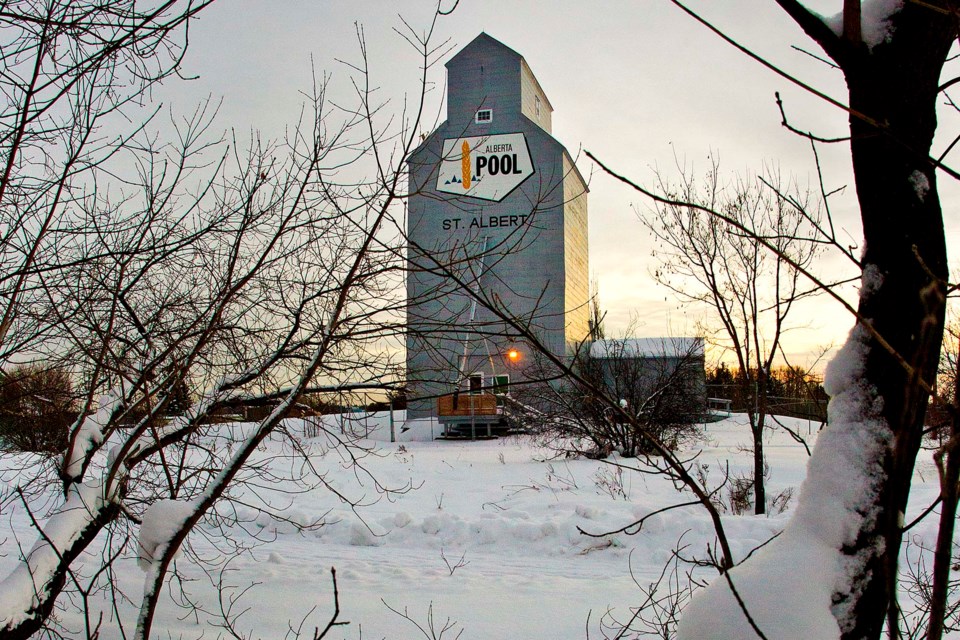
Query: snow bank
371, 426
788, 586
504, 507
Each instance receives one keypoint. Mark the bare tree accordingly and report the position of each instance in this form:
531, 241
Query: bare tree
893, 84
37, 407
71, 70
747, 289
659, 383
250, 270
882, 379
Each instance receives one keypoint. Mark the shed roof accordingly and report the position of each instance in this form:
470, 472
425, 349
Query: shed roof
647, 348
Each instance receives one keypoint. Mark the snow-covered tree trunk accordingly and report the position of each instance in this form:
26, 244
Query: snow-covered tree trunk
29, 593
905, 267
845, 538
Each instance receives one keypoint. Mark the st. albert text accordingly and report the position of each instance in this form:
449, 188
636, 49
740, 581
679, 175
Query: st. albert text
484, 222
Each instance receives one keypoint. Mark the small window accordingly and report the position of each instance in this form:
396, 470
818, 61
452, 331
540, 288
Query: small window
476, 383
537, 105
484, 116
501, 385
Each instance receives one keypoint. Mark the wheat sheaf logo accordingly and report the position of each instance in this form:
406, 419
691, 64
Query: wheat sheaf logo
465, 163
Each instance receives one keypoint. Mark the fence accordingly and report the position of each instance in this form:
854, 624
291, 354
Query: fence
742, 400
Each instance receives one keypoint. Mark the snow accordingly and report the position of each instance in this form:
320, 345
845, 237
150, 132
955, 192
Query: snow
840, 479
158, 525
921, 184
505, 507
876, 26
375, 426
90, 433
876, 23
18, 590
871, 279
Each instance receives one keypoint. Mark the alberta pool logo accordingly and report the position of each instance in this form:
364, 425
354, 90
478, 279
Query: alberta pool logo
485, 167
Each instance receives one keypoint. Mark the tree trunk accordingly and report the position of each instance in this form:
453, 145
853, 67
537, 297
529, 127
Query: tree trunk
757, 419
904, 276
759, 489
36, 617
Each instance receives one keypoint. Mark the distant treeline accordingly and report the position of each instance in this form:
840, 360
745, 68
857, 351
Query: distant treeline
791, 391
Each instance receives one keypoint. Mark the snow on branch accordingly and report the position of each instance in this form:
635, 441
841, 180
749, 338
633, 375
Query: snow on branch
162, 520
876, 24
89, 435
23, 593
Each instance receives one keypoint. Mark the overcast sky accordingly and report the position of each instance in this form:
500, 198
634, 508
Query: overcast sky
637, 83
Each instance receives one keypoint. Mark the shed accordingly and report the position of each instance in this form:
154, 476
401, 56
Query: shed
668, 373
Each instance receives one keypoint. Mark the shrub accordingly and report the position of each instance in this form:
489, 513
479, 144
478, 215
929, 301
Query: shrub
622, 401
37, 407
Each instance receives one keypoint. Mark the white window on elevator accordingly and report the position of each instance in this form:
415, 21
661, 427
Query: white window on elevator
475, 382
484, 116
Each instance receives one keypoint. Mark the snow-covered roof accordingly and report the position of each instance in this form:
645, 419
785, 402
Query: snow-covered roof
647, 348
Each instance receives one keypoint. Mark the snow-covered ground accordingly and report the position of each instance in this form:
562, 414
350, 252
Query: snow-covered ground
505, 510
